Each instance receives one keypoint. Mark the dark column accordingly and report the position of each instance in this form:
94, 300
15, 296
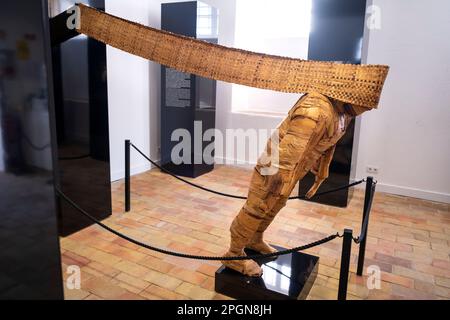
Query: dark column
30, 266
81, 121
337, 29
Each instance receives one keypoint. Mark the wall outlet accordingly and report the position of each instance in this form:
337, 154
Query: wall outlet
372, 169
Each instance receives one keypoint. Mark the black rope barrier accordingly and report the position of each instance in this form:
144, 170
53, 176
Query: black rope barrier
232, 195
191, 256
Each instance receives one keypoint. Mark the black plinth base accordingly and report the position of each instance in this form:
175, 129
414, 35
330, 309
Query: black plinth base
288, 277
188, 170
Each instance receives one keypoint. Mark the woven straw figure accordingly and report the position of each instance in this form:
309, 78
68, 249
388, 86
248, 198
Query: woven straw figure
307, 139
335, 92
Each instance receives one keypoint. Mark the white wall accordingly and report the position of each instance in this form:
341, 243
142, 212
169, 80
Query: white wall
129, 87
408, 137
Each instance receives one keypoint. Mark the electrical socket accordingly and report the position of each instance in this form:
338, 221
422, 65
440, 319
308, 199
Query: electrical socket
372, 169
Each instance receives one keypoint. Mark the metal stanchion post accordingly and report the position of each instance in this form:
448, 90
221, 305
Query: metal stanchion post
345, 264
127, 175
366, 211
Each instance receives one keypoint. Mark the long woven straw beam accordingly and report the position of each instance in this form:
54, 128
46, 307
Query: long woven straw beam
357, 84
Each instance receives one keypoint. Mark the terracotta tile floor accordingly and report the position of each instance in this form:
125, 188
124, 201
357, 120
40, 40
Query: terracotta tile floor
409, 239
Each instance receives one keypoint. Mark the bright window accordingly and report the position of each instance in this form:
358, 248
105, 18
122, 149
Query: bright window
279, 27
207, 21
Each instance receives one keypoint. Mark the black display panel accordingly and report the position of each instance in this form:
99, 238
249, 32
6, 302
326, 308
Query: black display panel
81, 108
30, 266
337, 29
187, 99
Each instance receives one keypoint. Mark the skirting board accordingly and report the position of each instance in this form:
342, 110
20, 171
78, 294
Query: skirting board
411, 192
120, 174
383, 187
